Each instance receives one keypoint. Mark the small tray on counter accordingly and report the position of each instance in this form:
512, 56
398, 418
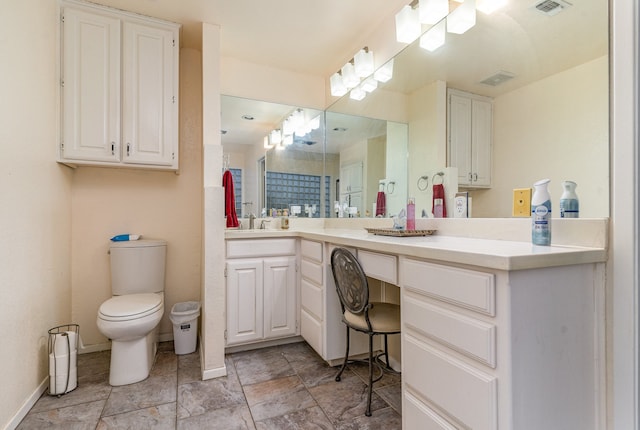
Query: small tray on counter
399, 233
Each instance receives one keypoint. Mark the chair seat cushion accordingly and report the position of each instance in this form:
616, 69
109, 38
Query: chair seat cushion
384, 317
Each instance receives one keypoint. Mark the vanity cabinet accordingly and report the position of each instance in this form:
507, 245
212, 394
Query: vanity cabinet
469, 131
261, 290
490, 349
119, 88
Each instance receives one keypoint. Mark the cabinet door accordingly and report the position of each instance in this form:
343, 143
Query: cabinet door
149, 95
90, 87
481, 124
244, 300
460, 137
351, 178
279, 297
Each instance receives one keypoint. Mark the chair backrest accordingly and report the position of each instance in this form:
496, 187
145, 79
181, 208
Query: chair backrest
351, 281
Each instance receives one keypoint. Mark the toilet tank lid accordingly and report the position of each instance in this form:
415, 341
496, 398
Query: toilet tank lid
138, 243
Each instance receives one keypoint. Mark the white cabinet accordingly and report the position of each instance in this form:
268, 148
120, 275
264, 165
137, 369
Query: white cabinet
351, 178
495, 349
261, 290
470, 128
119, 89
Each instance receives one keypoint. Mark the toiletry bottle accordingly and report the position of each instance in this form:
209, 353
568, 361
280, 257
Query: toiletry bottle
569, 204
411, 214
541, 213
284, 221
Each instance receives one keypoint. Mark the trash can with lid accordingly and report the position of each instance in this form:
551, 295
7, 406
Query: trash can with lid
184, 317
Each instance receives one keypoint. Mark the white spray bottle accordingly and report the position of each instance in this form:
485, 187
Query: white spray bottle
541, 213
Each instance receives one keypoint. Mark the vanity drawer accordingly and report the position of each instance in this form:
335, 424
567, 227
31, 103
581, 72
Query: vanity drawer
311, 298
379, 266
311, 271
417, 415
260, 248
466, 393
469, 336
311, 250
467, 288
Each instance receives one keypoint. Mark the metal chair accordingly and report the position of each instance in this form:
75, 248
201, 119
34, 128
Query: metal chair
372, 318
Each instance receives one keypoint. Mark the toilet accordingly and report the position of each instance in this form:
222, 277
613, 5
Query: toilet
131, 316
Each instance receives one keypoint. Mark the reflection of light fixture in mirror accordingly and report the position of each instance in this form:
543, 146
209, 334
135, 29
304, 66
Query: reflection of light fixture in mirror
314, 123
288, 126
287, 140
434, 38
490, 6
369, 84
432, 11
462, 18
266, 143
385, 72
276, 137
408, 26
363, 63
357, 93
338, 89
349, 77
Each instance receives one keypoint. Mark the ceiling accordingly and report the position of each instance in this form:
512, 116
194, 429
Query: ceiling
305, 36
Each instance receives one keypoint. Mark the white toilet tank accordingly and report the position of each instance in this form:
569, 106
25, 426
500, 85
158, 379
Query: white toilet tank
137, 266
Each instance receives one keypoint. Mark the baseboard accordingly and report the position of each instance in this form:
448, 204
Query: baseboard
28, 404
263, 344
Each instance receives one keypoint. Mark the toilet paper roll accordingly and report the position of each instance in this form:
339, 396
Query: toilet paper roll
58, 384
58, 363
63, 342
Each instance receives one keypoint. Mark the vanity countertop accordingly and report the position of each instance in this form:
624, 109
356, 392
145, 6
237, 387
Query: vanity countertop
487, 253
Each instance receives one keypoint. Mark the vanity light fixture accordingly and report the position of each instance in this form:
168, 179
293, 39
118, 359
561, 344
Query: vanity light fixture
432, 11
349, 77
434, 38
385, 72
363, 63
462, 18
357, 93
276, 137
369, 84
408, 27
338, 88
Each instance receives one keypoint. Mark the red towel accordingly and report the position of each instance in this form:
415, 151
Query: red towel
381, 204
439, 206
229, 200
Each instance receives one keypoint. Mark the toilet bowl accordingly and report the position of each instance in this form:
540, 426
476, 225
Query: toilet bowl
131, 322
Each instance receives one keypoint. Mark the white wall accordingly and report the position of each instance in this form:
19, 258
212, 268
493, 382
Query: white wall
35, 217
165, 205
555, 128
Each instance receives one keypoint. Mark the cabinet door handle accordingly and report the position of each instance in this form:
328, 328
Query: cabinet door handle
113, 148
128, 148
470, 177
475, 177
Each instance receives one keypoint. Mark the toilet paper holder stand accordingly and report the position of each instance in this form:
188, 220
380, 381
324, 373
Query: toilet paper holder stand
63, 340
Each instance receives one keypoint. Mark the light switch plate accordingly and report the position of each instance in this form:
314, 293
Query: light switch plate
522, 202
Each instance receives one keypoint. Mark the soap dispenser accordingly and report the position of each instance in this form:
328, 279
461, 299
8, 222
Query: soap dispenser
541, 213
569, 204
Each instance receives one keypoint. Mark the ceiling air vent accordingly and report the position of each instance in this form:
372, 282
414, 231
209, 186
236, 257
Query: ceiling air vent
551, 7
497, 78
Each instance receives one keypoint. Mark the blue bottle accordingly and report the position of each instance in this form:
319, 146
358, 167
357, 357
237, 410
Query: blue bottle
541, 214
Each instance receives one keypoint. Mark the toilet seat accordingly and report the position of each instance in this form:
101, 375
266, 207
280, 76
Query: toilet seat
130, 307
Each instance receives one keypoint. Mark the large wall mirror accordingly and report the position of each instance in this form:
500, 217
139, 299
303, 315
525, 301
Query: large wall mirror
550, 117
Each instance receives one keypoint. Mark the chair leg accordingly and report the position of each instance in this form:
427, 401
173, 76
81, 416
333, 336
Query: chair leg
346, 358
386, 352
368, 412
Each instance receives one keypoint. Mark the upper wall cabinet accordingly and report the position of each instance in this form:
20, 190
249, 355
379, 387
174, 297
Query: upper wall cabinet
470, 129
119, 89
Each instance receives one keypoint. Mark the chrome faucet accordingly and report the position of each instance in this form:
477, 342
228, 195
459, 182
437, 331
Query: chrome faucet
252, 218
262, 223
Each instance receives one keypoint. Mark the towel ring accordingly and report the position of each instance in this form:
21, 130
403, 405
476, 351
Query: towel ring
393, 187
424, 179
433, 179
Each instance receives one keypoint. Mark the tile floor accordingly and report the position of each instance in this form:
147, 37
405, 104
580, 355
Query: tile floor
281, 387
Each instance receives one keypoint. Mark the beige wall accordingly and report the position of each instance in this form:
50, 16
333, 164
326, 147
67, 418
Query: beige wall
556, 128
165, 205
35, 216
